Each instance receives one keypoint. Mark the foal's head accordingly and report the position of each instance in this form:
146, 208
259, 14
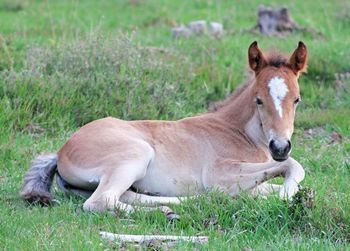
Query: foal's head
276, 95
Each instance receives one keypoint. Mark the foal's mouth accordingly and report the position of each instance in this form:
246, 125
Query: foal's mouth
280, 159
277, 156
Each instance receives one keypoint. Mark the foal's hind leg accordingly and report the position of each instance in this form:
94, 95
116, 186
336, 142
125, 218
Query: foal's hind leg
117, 179
131, 197
157, 203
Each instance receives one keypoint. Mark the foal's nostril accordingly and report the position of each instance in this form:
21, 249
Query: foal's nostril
289, 146
272, 146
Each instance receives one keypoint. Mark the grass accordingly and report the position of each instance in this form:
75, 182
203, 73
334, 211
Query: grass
65, 63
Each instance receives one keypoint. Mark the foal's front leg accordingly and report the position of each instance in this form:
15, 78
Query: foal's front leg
233, 177
266, 189
293, 175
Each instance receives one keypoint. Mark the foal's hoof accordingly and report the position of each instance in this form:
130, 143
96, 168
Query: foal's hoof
172, 217
169, 214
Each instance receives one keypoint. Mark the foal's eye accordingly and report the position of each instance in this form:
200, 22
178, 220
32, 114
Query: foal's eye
297, 100
259, 101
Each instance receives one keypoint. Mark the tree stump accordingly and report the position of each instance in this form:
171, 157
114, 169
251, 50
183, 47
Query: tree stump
275, 21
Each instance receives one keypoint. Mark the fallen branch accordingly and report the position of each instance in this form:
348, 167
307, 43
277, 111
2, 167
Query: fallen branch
147, 238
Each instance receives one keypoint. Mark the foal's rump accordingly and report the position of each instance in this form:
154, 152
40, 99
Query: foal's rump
89, 154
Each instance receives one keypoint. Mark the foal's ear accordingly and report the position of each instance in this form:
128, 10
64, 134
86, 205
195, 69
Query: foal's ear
256, 58
298, 60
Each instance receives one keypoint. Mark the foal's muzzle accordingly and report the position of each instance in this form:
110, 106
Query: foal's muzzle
280, 149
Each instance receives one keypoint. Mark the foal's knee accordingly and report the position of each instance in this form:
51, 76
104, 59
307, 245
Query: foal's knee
295, 171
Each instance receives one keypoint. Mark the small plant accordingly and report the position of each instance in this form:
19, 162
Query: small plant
302, 201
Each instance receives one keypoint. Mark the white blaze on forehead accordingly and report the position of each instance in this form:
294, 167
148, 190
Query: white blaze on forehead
278, 90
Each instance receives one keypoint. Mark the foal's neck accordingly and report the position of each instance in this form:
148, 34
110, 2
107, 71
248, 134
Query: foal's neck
240, 112
239, 109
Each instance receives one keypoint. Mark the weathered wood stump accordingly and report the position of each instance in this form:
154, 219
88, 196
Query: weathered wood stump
274, 21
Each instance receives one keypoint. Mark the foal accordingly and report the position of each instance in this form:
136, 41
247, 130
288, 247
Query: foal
238, 147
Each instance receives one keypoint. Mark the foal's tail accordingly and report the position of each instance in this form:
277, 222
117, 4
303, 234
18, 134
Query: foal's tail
38, 179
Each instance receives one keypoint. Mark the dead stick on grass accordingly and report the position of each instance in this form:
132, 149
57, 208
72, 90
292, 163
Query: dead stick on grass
146, 238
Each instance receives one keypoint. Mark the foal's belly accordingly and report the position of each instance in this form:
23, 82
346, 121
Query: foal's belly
170, 180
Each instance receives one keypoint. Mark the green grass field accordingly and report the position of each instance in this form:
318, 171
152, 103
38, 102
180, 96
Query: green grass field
65, 63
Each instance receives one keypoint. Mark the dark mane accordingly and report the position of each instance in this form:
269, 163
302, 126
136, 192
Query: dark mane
276, 59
